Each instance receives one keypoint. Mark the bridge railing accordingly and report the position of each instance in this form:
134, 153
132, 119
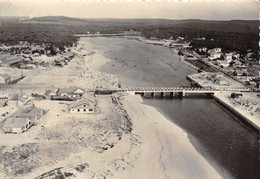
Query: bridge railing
169, 89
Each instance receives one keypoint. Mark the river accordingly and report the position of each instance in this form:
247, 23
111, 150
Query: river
213, 132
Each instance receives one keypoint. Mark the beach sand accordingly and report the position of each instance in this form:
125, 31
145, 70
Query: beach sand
166, 149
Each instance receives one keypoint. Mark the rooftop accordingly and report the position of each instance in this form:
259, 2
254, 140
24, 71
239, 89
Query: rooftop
81, 102
5, 76
15, 122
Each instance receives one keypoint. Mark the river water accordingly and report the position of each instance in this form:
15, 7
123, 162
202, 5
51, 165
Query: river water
219, 137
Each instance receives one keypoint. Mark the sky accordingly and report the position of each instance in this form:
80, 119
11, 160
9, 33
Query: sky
170, 9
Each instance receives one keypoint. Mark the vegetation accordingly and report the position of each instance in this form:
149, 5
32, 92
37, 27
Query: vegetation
59, 31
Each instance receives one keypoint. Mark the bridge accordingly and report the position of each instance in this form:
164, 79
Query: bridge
172, 91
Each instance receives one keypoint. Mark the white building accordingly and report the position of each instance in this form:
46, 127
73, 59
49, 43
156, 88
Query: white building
223, 63
221, 81
83, 106
216, 50
215, 55
229, 57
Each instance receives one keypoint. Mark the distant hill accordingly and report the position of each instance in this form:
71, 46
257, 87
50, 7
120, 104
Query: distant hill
57, 20
244, 26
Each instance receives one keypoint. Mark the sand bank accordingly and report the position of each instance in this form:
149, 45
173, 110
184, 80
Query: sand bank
166, 149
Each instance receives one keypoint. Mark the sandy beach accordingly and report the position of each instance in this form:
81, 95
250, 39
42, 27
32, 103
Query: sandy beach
166, 150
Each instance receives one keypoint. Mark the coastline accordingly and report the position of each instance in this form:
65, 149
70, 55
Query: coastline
163, 130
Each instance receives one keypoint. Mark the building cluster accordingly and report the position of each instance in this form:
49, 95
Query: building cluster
25, 47
66, 94
25, 114
32, 56
235, 65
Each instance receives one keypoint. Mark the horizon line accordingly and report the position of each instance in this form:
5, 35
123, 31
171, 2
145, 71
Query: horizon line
131, 18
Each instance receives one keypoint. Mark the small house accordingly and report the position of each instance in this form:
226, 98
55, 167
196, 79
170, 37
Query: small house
229, 57
11, 61
215, 55
223, 64
83, 106
49, 93
216, 50
16, 125
71, 92
221, 81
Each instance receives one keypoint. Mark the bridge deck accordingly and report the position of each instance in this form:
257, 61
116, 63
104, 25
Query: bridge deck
185, 89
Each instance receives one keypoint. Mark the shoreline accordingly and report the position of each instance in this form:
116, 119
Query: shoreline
168, 135
199, 148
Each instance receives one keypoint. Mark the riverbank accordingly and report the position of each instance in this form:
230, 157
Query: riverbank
247, 107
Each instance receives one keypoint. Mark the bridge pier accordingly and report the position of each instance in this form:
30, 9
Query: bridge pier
181, 94
152, 94
172, 94
162, 93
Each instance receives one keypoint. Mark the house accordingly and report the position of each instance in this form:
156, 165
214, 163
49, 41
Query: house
236, 63
215, 55
223, 64
229, 57
240, 72
5, 78
16, 125
31, 112
70, 92
215, 50
79, 92
7, 62
221, 81
83, 106
50, 93
204, 49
